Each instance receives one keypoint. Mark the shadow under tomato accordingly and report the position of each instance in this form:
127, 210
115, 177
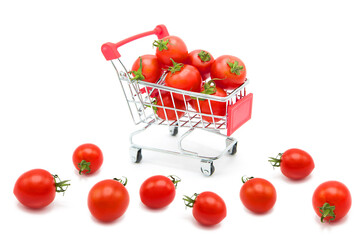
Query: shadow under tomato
95, 220
292, 181
325, 225
39, 211
258, 214
143, 206
206, 227
84, 175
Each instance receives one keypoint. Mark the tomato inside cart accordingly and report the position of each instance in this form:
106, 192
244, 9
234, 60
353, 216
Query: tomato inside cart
220, 110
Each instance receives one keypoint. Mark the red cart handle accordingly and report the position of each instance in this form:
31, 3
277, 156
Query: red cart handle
110, 51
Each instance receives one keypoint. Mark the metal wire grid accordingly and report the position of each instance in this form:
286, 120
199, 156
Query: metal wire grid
139, 96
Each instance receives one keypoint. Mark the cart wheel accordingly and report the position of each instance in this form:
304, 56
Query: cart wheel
233, 150
207, 168
135, 154
174, 130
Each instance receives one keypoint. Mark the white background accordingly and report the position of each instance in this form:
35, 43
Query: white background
57, 92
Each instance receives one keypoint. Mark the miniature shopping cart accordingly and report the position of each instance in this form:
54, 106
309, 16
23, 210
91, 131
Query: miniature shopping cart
139, 97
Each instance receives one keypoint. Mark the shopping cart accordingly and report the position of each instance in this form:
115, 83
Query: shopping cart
139, 96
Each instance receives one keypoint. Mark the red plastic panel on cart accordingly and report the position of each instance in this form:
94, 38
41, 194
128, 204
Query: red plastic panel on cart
239, 113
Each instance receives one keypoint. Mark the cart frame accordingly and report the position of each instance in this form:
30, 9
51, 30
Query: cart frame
139, 96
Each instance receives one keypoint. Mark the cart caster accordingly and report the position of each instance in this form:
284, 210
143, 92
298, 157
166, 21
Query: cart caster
207, 168
233, 149
174, 130
135, 154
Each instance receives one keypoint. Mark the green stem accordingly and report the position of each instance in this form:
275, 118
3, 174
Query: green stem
209, 87
327, 210
60, 186
161, 44
204, 56
190, 201
175, 179
276, 161
84, 165
153, 102
176, 67
235, 67
122, 180
244, 179
138, 73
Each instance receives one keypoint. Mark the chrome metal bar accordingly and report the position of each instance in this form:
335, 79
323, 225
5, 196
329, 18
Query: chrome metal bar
165, 112
139, 131
176, 112
187, 133
123, 89
196, 94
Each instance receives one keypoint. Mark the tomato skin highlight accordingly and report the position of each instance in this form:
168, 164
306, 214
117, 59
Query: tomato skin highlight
151, 68
258, 195
108, 200
35, 188
91, 154
176, 49
209, 209
203, 67
334, 193
220, 69
296, 164
217, 108
188, 78
157, 192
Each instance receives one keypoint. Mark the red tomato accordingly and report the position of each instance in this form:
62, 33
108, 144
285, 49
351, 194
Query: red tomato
230, 70
185, 77
36, 188
170, 47
258, 195
158, 191
167, 101
208, 207
108, 200
87, 158
331, 201
202, 60
146, 68
215, 107
294, 163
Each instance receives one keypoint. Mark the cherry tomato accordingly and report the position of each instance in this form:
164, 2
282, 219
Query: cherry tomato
294, 163
331, 201
215, 107
171, 47
146, 68
202, 60
230, 70
108, 199
87, 158
185, 77
167, 101
208, 207
257, 194
158, 191
36, 188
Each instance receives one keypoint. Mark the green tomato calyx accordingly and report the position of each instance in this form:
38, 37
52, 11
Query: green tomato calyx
138, 73
161, 44
235, 67
327, 210
204, 56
